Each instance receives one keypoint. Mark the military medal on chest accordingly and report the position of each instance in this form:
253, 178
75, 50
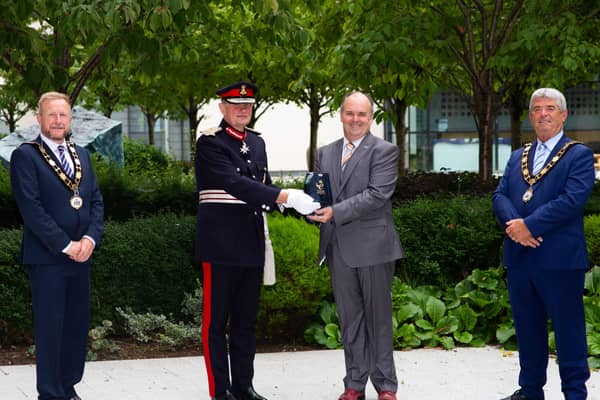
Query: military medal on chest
245, 148
241, 136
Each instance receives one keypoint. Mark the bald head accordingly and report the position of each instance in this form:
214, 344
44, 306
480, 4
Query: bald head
356, 115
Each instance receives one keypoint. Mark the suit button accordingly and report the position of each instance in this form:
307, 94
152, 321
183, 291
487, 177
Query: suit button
264, 207
267, 208
249, 161
255, 212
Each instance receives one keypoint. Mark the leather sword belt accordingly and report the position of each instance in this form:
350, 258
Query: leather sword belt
217, 196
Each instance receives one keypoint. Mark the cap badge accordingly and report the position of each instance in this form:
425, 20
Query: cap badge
243, 90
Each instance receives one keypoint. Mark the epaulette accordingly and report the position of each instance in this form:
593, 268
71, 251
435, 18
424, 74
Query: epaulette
253, 131
210, 131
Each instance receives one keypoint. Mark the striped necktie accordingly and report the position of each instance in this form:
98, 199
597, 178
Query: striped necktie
63, 161
541, 153
348, 150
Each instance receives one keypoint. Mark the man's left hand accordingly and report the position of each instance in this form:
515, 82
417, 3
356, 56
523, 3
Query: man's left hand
85, 251
518, 232
322, 215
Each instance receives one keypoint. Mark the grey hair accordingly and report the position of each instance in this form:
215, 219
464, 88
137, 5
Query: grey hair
371, 102
550, 93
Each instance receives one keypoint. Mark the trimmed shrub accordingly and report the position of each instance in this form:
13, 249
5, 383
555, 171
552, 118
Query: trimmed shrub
591, 227
145, 264
16, 320
301, 284
445, 239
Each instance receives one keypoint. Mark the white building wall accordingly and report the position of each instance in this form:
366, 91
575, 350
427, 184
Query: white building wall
286, 131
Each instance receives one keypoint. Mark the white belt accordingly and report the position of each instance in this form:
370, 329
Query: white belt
217, 196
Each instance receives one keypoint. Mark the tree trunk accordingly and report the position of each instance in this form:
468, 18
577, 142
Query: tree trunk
314, 129
314, 107
151, 120
485, 113
515, 112
400, 128
516, 106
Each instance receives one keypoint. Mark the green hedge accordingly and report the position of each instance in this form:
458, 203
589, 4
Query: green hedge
446, 239
301, 283
146, 264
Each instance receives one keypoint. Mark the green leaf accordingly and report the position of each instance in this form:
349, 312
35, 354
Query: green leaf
593, 341
594, 363
435, 308
592, 281
463, 337
592, 313
447, 342
484, 279
332, 343
424, 324
332, 330
407, 311
466, 316
505, 333
446, 325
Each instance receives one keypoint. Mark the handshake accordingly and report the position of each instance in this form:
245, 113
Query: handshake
302, 202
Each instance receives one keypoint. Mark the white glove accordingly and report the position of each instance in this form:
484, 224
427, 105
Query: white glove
302, 202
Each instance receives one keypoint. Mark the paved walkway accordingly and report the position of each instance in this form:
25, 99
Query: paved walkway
424, 374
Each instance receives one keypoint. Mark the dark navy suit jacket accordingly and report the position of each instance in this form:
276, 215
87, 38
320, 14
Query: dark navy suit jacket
233, 234
50, 222
555, 212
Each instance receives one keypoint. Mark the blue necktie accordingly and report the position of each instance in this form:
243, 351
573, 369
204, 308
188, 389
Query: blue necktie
63, 161
541, 153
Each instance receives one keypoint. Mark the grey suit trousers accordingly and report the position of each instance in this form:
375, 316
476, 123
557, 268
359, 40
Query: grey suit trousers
364, 305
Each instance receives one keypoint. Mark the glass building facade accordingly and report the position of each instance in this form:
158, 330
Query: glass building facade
444, 135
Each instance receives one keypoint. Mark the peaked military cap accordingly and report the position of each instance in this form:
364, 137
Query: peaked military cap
239, 93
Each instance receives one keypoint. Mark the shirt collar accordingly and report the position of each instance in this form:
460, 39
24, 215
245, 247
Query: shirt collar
356, 143
551, 143
52, 144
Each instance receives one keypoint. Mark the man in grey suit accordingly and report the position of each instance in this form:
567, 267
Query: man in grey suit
361, 245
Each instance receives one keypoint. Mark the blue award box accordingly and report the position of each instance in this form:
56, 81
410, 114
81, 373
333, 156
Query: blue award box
316, 185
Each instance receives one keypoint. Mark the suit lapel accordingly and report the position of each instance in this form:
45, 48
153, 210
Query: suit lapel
357, 155
333, 168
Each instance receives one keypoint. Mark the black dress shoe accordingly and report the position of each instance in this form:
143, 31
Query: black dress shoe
225, 396
516, 396
249, 394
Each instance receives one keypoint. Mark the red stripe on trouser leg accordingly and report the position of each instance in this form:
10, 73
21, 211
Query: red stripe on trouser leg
206, 315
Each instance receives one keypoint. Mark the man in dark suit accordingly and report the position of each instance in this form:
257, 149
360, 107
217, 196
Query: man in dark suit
540, 201
55, 189
235, 191
360, 242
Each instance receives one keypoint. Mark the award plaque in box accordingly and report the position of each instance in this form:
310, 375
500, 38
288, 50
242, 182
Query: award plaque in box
317, 186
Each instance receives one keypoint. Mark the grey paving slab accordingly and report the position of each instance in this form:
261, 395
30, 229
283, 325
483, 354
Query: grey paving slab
424, 374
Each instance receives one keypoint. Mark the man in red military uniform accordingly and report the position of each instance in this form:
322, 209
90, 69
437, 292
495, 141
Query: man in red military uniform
235, 190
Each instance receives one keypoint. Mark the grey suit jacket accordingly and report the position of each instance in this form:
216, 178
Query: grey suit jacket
362, 209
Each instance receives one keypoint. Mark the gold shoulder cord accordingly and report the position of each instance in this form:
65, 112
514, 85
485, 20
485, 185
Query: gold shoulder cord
532, 180
76, 201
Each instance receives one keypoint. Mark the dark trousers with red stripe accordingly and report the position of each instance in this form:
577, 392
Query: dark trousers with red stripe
230, 294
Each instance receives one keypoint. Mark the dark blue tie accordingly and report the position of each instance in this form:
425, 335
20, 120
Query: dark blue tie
63, 161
